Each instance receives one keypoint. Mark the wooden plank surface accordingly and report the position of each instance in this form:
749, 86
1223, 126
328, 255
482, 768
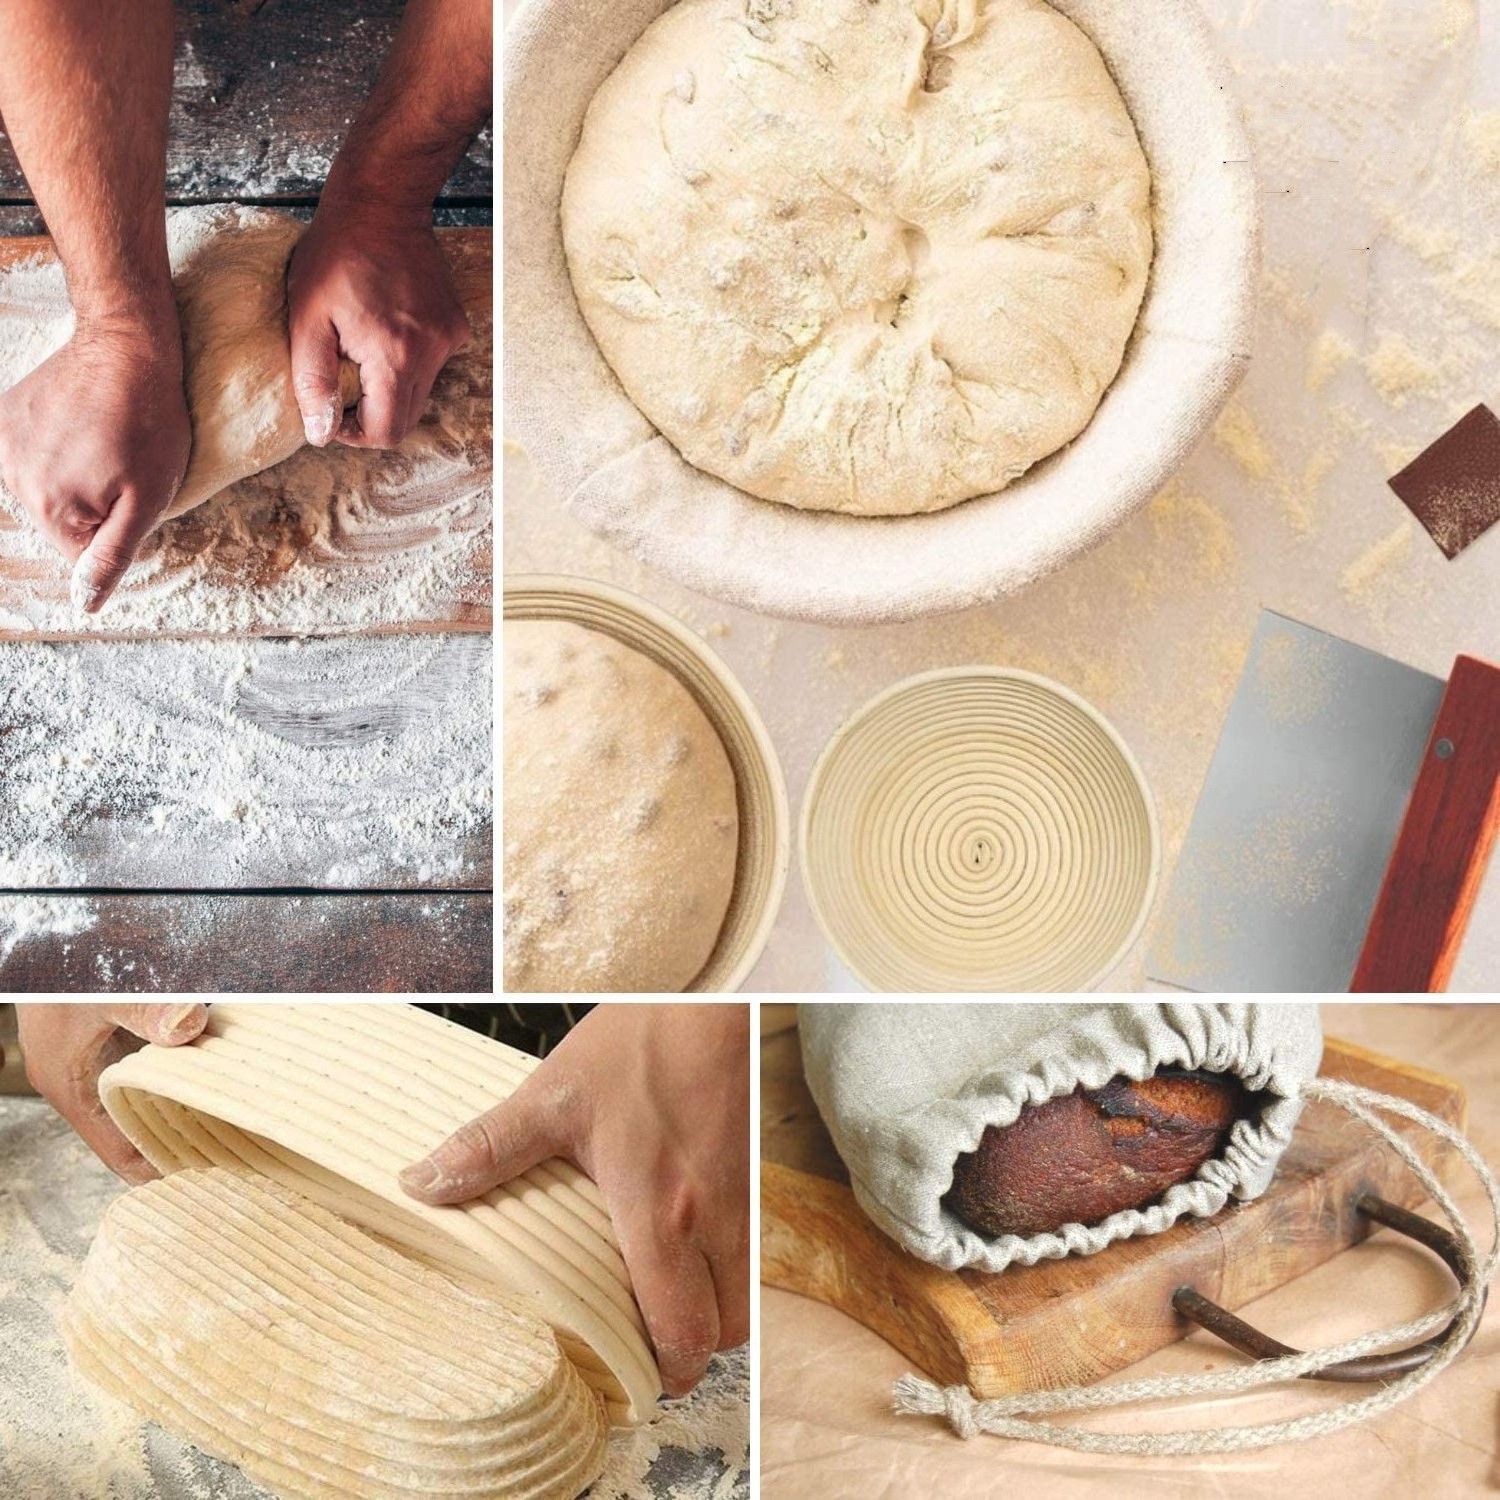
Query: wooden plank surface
263, 95
202, 943
250, 558
1069, 1321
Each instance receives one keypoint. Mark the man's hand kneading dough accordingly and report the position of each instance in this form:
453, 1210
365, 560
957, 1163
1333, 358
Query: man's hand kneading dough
95, 442
653, 1102
67, 1047
368, 280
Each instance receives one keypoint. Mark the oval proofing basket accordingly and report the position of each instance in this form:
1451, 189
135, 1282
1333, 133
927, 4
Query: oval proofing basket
760, 792
978, 828
622, 479
333, 1101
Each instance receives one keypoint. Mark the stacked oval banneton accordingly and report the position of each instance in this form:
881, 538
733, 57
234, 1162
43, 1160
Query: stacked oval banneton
326, 1365
332, 1101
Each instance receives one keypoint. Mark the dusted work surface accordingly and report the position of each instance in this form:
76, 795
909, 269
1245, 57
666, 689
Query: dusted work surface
330, 541
61, 1441
1377, 131
827, 1427
154, 786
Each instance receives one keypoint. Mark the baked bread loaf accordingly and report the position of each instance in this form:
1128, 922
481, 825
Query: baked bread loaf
1083, 1156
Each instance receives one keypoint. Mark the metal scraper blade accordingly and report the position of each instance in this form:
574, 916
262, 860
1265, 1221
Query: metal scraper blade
1292, 833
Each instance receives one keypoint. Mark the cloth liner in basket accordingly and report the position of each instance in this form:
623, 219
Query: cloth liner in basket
605, 462
907, 1088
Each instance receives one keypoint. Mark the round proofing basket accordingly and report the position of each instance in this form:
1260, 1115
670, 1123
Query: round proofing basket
978, 828
621, 478
760, 792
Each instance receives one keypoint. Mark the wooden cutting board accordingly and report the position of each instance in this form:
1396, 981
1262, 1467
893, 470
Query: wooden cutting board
1072, 1321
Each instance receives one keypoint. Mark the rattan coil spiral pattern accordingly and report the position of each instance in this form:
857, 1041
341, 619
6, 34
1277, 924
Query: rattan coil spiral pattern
979, 829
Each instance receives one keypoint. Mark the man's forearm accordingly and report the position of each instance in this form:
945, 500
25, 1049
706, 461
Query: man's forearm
432, 97
84, 89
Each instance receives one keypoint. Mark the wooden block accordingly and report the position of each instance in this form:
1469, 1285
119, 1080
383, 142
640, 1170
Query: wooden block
1076, 1320
1451, 820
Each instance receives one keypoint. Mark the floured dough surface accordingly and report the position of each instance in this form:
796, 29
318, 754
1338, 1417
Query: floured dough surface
873, 256
326, 1365
229, 272
621, 827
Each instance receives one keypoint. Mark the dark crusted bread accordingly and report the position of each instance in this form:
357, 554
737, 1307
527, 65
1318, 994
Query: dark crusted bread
1079, 1158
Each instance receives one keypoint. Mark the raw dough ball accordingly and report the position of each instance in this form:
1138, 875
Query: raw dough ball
621, 828
875, 256
229, 270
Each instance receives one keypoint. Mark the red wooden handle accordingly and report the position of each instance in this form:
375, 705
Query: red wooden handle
1446, 835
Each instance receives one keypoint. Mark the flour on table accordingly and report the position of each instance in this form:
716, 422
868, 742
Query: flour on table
1368, 570
1329, 354
1236, 432
1399, 372
44, 1233
243, 758
1418, 213
648, 1462
23, 917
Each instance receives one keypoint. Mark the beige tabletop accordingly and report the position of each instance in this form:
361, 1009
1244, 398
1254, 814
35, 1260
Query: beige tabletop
828, 1431
1376, 127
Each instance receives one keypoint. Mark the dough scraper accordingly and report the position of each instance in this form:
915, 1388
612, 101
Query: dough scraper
1344, 826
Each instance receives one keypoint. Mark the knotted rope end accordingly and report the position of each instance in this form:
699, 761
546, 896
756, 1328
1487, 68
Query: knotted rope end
921, 1398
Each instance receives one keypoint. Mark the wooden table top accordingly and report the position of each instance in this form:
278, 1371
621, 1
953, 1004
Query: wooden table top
262, 96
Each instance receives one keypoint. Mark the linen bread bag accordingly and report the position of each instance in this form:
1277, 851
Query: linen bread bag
909, 1090
916, 1095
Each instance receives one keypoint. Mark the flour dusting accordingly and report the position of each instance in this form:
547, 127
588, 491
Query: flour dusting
325, 762
22, 917
58, 1441
646, 1463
